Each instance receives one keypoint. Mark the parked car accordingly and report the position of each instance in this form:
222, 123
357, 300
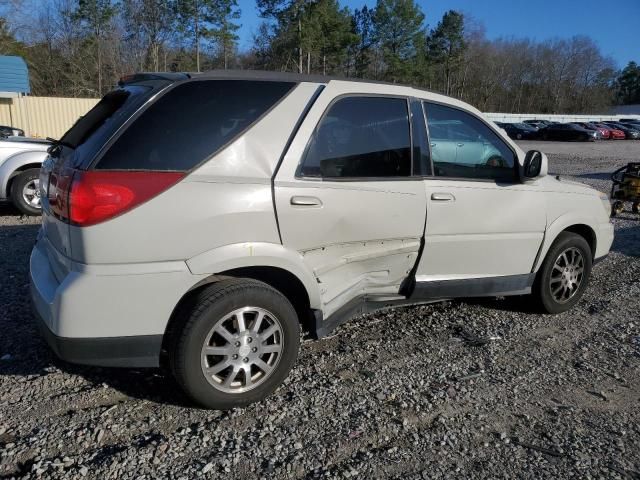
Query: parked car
596, 130
630, 133
20, 161
538, 123
604, 132
567, 132
616, 133
282, 200
519, 131
632, 123
10, 132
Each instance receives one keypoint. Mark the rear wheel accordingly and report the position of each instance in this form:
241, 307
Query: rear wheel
564, 274
25, 192
239, 340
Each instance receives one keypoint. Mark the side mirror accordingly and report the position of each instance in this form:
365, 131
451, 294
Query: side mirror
535, 164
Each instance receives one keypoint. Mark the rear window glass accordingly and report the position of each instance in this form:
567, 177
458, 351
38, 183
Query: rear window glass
190, 123
93, 129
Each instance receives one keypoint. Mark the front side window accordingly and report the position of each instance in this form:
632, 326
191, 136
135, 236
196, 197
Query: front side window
462, 146
190, 123
361, 137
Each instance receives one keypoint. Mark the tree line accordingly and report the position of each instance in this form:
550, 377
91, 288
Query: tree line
81, 47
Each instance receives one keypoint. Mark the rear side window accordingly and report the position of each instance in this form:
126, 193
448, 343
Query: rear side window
361, 137
190, 123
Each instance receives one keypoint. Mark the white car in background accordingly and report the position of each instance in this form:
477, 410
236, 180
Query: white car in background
283, 200
20, 162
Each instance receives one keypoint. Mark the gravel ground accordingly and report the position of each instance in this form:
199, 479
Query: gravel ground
465, 389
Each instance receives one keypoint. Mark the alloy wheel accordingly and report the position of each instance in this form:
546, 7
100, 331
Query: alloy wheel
567, 275
31, 193
242, 350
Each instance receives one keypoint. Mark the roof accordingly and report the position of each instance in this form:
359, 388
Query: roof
266, 75
14, 75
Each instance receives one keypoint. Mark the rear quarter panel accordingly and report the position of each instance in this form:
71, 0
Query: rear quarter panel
224, 201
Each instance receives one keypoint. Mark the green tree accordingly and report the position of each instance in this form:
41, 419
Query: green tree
149, 23
446, 46
628, 84
313, 35
363, 29
328, 38
398, 28
95, 17
290, 21
222, 17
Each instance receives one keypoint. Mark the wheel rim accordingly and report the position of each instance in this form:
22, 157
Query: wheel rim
567, 275
242, 350
31, 193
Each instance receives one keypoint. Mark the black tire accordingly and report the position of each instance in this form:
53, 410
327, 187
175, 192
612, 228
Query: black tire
635, 208
204, 310
17, 185
542, 290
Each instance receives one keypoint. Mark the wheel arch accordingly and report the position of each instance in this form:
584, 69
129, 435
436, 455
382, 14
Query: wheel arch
16, 164
273, 272
582, 228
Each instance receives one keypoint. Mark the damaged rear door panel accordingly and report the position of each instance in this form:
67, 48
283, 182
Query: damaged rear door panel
345, 197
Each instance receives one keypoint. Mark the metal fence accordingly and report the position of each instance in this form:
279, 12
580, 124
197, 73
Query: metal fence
519, 117
43, 116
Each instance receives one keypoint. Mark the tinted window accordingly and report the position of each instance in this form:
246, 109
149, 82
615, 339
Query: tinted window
421, 157
361, 137
190, 123
92, 130
464, 146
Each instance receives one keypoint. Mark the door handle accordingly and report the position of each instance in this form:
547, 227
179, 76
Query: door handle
461, 144
433, 144
302, 201
443, 197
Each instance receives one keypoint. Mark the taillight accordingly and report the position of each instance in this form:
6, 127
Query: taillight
97, 196
90, 197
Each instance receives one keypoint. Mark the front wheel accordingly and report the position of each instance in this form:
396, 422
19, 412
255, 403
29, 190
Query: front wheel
25, 192
238, 342
564, 274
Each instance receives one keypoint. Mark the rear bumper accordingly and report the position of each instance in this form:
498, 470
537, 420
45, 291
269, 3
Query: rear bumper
108, 315
136, 351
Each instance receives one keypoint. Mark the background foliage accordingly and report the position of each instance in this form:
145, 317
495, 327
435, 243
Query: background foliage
81, 47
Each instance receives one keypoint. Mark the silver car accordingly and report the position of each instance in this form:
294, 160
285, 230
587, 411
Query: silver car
20, 161
198, 221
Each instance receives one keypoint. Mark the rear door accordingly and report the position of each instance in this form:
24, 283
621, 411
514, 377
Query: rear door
346, 198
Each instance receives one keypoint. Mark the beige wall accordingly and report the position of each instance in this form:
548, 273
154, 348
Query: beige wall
43, 116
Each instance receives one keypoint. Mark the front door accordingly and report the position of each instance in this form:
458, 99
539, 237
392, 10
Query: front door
482, 223
345, 197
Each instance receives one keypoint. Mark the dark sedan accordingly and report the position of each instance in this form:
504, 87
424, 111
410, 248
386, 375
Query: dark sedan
567, 132
539, 123
519, 131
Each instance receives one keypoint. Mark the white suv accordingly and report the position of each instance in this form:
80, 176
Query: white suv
197, 221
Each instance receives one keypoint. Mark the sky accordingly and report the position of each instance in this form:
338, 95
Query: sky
614, 25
